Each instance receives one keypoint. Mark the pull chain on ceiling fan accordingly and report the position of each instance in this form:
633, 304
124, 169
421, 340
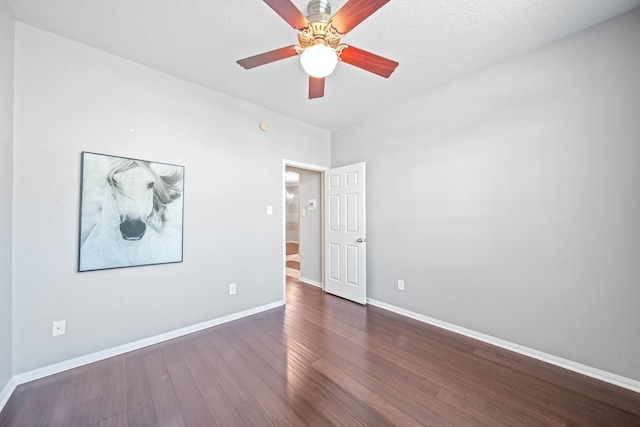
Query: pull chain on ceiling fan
319, 37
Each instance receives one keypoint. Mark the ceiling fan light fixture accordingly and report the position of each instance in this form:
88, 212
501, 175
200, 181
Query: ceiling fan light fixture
319, 60
319, 40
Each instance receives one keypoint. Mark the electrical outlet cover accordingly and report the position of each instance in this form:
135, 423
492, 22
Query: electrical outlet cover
59, 328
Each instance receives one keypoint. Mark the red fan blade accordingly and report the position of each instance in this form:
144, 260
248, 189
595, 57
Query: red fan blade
353, 13
316, 87
368, 61
289, 12
265, 58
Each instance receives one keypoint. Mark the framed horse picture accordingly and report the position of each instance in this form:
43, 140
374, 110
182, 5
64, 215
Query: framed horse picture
131, 212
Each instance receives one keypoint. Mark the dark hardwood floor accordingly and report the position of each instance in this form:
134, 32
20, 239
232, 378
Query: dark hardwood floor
320, 361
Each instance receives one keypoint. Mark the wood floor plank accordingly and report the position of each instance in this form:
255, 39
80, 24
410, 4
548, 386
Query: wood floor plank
571, 381
252, 414
451, 366
114, 398
222, 410
446, 409
320, 360
278, 410
382, 406
382, 389
90, 383
36, 402
139, 400
167, 410
138, 390
172, 353
62, 403
471, 401
14, 405
86, 412
194, 410
119, 420
233, 387
114, 402
142, 415
303, 410
340, 347
199, 368
301, 376
163, 394
524, 416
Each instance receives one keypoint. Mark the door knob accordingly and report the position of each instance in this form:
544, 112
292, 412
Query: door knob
360, 240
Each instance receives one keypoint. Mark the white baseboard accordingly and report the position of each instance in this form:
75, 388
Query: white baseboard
7, 391
599, 374
310, 282
125, 348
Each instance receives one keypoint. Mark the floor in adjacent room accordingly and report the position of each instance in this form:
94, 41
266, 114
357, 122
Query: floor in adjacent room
293, 260
320, 360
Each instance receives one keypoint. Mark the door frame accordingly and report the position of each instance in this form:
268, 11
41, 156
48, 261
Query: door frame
310, 167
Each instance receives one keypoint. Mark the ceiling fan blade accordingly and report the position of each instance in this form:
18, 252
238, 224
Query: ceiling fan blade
316, 87
267, 57
289, 12
368, 61
353, 13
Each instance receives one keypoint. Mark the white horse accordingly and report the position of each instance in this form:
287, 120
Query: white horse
132, 227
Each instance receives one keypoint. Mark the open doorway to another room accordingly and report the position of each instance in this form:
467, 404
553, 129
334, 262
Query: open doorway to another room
303, 224
292, 223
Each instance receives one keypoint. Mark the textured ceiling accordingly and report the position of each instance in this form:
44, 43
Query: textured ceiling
435, 42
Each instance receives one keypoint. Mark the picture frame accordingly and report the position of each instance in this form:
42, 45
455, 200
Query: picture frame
131, 212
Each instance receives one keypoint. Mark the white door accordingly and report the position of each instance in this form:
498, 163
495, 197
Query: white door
345, 233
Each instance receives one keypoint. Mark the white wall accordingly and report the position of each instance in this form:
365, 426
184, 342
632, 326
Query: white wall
7, 25
70, 98
509, 201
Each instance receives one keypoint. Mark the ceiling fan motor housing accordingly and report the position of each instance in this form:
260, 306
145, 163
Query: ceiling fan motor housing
319, 11
319, 30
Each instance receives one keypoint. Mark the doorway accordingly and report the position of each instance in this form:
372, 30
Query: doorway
303, 223
292, 222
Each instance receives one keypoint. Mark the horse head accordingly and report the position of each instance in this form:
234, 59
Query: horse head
139, 196
132, 185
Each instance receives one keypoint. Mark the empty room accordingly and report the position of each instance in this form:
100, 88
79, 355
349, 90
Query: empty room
221, 213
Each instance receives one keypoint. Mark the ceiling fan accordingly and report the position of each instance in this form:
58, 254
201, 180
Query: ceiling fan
319, 37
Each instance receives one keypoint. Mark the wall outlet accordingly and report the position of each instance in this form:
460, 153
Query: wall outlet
232, 289
269, 210
59, 327
401, 285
